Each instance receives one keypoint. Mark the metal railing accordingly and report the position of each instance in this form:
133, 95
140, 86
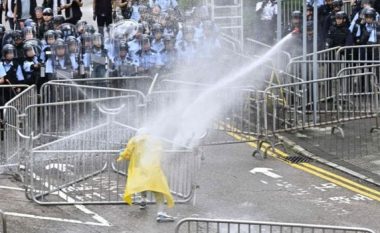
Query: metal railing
138, 83
228, 18
203, 225
12, 112
3, 221
82, 169
339, 99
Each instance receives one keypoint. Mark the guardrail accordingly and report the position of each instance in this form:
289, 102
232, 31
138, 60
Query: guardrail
203, 225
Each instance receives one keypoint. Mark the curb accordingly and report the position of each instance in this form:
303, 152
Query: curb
301, 151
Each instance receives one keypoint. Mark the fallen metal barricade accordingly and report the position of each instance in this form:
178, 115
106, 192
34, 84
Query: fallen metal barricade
203, 225
82, 168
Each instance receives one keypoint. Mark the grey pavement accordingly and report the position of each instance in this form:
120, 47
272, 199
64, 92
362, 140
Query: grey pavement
357, 152
227, 189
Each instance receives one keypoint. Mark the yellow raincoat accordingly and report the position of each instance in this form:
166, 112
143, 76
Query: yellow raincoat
144, 170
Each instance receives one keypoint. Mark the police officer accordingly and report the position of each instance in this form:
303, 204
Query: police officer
295, 25
74, 51
157, 42
30, 65
148, 58
135, 44
369, 29
187, 47
330, 19
19, 43
11, 65
99, 57
339, 34
169, 56
64, 68
123, 65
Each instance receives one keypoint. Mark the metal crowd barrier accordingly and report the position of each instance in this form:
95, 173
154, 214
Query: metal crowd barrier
238, 108
7, 92
203, 225
9, 126
3, 221
58, 92
322, 55
52, 121
331, 61
228, 17
321, 102
82, 168
11, 114
139, 83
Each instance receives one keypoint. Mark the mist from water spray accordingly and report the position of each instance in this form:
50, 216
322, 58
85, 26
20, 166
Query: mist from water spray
188, 118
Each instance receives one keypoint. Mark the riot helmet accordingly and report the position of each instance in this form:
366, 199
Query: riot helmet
18, 37
97, 40
145, 43
28, 22
58, 20
29, 50
58, 33
8, 52
296, 18
87, 42
341, 15
337, 3
370, 13
8, 38
123, 49
296, 14
73, 45
67, 30
50, 36
59, 48
29, 32
157, 30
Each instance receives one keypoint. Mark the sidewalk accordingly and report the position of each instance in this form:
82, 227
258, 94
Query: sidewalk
353, 148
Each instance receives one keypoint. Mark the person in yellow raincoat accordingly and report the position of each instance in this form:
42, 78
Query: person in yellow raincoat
145, 174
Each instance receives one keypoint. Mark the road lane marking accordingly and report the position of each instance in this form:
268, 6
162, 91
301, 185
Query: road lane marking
265, 171
69, 199
11, 188
53, 219
309, 168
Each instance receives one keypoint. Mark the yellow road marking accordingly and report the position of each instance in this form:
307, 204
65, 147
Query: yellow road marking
314, 170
